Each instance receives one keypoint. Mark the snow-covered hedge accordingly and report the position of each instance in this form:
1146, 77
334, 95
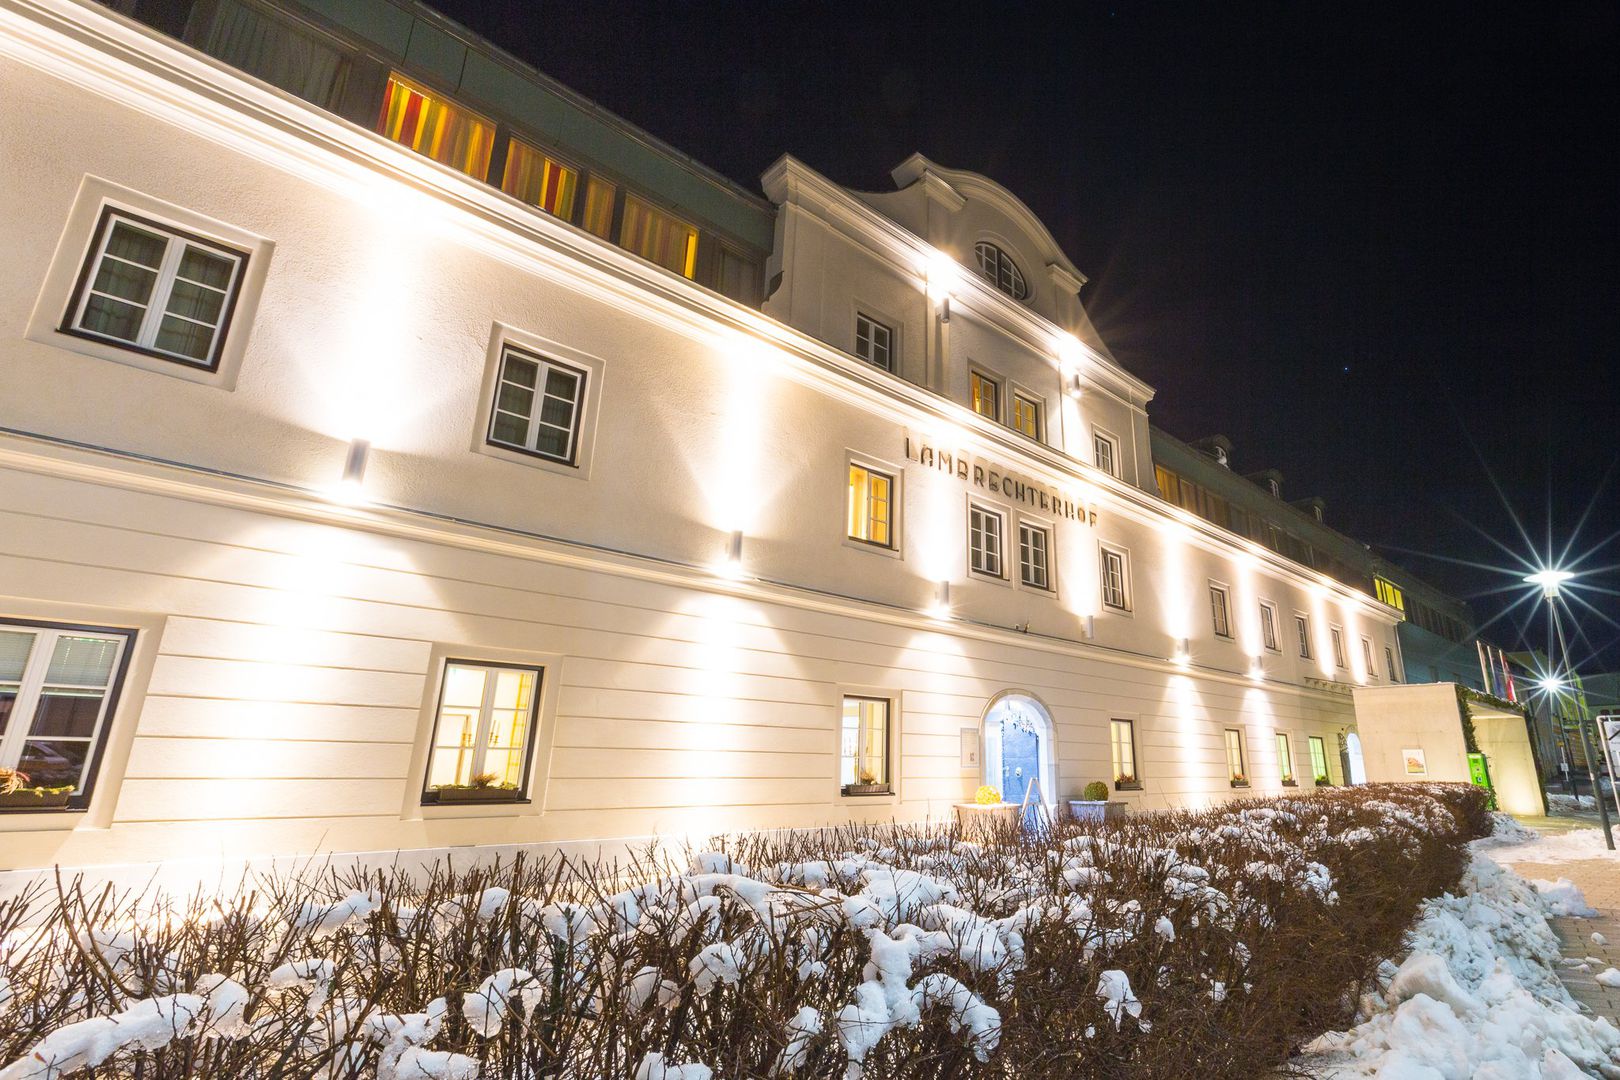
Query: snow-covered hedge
1189, 944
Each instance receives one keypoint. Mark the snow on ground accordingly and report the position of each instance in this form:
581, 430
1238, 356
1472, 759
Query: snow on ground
1576, 844
1478, 997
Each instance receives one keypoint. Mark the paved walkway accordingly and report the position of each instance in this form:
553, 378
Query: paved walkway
1599, 880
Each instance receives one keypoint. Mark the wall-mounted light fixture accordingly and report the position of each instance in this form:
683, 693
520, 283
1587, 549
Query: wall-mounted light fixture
1183, 652
941, 608
731, 565
945, 310
352, 487
1088, 627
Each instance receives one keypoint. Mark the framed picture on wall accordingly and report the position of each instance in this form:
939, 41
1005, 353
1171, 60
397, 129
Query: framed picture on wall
1416, 763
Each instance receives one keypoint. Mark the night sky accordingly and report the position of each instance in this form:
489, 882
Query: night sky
1375, 247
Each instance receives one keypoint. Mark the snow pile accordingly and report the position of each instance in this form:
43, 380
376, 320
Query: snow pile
1478, 998
1549, 848
1563, 897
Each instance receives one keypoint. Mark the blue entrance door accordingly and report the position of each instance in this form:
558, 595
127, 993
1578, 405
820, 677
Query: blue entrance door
1020, 765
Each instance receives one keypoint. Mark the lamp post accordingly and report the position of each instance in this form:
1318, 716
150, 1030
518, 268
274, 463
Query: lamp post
1551, 582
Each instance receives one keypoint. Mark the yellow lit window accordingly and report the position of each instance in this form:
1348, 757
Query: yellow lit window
659, 237
986, 396
1234, 757
1285, 758
1389, 593
870, 505
1123, 738
482, 732
1027, 416
433, 126
1319, 760
864, 746
540, 181
598, 215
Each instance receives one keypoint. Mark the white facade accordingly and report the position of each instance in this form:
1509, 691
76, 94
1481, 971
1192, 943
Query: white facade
284, 673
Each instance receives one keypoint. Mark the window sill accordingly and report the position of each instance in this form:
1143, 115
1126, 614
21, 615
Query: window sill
8, 810
482, 800
865, 791
1121, 785
1290, 783
1324, 783
1240, 783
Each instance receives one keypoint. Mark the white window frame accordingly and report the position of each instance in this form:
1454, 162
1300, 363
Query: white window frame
1312, 741
1267, 608
1016, 394
897, 486
1242, 758
1135, 783
1104, 550
1048, 568
1225, 592
1017, 285
543, 350
32, 686
890, 747
875, 324
1367, 656
1285, 759
1001, 517
1302, 630
524, 792
1341, 652
544, 365
1000, 388
60, 300
1389, 662
1099, 439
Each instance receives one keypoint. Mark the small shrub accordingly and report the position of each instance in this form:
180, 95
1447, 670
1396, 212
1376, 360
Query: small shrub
1096, 791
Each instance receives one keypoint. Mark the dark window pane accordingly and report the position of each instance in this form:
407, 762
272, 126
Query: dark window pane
184, 338
82, 661
68, 715
515, 399
520, 371
559, 413
50, 763
113, 318
552, 442
509, 429
124, 280
136, 245
206, 268
562, 384
8, 701
195, 302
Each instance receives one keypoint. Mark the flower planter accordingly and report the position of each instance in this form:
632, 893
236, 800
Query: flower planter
32, 799
868, 789
983, 820
476, 794
1240, 783
1096, 810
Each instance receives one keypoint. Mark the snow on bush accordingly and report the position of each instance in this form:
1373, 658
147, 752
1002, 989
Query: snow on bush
1209, 943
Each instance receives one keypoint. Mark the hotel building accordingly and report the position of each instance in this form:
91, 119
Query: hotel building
402, 452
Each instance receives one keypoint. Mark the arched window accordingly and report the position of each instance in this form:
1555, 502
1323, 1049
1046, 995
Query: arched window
998, 266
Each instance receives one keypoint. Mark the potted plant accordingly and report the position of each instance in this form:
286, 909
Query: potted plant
482, 789
1324, 780
1093, 804
866, 783
17, 794
1127, 782
1239, 780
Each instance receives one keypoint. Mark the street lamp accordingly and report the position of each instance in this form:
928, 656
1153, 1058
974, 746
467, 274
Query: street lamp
1551, 581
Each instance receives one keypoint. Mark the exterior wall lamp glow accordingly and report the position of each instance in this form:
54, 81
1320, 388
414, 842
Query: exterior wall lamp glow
731, 566
352, 487
1183, 653
941, 608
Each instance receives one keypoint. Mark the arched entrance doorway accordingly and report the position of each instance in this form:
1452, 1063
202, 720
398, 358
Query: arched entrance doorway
1355, 770
1019, 750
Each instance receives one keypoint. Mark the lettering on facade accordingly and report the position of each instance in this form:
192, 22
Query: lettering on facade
997, 480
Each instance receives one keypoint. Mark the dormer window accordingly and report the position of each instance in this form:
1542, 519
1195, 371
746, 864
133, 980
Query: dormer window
998, 266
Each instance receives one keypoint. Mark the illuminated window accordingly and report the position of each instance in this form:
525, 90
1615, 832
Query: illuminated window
986, 396
597, 217
430, 125
1220, 610
537, 406
1115, 580
1034, 545
658, 237
58, 687
1285, 758
1319, 760
1389, 664
1027, 415
1389, 593
1122, 738
156, 290
985, 532
1234, 757
864, 747
1302, 628
874, 341
998, 266
1339, 658
1105, 453
871, 506
539, 180
1268, 626
482, 733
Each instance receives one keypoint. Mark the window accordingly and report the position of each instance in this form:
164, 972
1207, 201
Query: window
984, 540
1234, 758
874, 341
871, 501
156, 290
1105, 452
737, 275
58, 687
998, 266
1319, 760
1122, 737
986, 396
1302, 627
537, 406
1285, 759
1027, 415
1268, 626
864, 747
597, 217
415, 117
539, 180
284, 54
1115, 580
1220, 610
1339, 659
1389, 664
1389, 593
658, 237
1367, 655
483, 732
1034, 546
